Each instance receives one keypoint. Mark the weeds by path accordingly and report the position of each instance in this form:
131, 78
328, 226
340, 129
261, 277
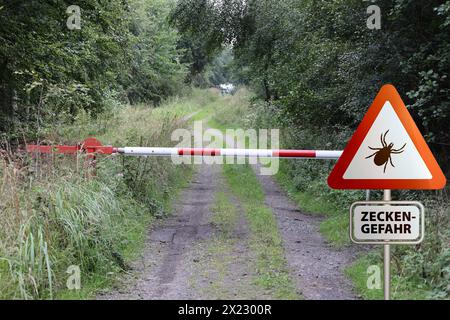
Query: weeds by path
53, 217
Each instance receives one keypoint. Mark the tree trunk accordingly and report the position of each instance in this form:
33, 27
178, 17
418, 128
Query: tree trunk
266, 88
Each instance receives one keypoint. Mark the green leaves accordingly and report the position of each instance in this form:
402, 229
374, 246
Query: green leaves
126, 47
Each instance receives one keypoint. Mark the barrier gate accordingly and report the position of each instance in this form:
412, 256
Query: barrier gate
93, 147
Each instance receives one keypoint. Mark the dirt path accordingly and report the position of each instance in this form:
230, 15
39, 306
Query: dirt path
316, 267
191, 255
202, 250
168, 260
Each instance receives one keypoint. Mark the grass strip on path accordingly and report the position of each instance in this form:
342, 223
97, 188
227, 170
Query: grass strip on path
265, 239
219, 257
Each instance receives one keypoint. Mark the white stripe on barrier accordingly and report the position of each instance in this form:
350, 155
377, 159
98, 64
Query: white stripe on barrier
327, 154
144, 151
246, 152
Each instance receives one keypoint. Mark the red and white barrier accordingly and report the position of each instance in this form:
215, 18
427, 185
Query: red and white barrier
208, 152
92, 147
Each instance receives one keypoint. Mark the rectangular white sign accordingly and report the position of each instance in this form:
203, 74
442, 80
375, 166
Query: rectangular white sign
380, 222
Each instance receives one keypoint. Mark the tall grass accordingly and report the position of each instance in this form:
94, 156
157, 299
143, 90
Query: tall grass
233, 111
53, 215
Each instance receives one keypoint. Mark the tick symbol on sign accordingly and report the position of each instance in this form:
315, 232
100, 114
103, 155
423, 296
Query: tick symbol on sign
383, 154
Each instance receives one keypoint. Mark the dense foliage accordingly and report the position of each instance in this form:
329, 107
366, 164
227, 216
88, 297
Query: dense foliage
124, 50
321, 66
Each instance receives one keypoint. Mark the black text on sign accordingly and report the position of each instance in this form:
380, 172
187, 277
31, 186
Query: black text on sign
379, 222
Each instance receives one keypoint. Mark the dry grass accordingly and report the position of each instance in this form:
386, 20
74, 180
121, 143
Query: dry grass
54, 215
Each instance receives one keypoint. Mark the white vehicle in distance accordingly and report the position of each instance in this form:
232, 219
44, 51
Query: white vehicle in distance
227, 88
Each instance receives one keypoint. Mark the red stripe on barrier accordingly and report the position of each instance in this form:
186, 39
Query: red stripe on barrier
198, 152
294, 153
101, 149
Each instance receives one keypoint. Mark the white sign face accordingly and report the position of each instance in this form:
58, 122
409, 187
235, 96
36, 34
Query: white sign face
403, 161
381, 222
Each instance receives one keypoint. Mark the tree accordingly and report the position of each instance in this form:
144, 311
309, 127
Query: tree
48, 72
320, 65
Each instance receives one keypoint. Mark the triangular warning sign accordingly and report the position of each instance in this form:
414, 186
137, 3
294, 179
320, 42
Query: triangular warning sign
387, 151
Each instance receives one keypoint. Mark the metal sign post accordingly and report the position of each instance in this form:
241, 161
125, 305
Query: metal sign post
387, 257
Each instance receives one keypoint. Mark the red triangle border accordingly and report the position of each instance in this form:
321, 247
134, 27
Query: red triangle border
387, 93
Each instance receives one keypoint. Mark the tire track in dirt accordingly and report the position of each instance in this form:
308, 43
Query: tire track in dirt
228, 268
187, 256
167, 262
317, 268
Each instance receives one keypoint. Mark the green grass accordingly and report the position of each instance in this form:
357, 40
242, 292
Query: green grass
225, 214
203, 114
55, 217
358, 274
401, 288
232, 111
218, 254
335, 228
131, 228
266, 241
